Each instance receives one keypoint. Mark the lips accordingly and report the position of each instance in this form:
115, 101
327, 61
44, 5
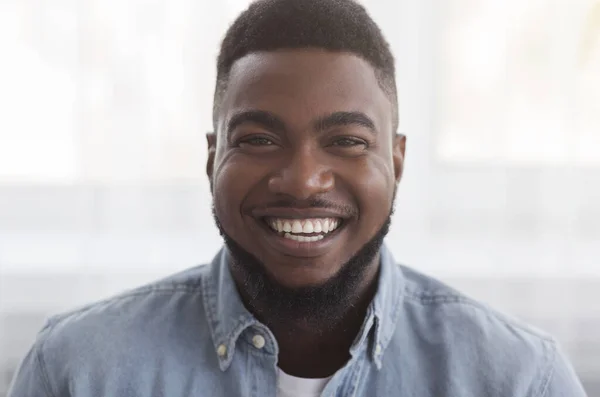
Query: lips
304, 230
301, 232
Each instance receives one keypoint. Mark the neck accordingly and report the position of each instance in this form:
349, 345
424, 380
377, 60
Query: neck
318, 353
312, 350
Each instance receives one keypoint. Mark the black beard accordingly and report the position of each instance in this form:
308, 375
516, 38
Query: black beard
319, 306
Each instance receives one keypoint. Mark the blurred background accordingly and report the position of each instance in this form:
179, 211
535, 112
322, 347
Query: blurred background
104, 105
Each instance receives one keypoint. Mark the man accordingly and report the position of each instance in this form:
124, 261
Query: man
304, 300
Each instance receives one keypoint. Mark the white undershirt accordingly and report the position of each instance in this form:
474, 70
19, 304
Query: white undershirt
291, 386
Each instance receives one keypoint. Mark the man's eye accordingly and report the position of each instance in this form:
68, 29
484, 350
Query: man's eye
348, 142
257, 141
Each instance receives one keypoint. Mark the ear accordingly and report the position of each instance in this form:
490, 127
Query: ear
398, 150
211, 140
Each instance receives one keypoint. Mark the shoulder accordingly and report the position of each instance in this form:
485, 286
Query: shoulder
475, 340
431, 297
183, 285
138, 323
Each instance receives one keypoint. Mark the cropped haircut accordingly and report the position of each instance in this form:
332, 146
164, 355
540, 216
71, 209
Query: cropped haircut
332, 25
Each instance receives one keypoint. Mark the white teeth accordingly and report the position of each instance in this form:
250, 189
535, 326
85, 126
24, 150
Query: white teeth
326, 226
303, 239
304, 226
297, 227
287, 227
308, 227
317, 226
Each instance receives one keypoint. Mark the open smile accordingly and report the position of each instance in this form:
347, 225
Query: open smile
304, 230
302, 237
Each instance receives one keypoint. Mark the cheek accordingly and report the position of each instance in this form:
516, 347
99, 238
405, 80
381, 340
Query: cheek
231, 185
373, 185
234, 180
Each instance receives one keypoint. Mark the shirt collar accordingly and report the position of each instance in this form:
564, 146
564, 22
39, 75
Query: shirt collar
226, 314
387, 304
228, 317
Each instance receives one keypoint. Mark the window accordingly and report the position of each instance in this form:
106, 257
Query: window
39, 94
520, 82
106, 91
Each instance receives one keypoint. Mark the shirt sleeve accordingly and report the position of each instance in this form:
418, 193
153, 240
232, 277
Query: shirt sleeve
31, 379
562, 379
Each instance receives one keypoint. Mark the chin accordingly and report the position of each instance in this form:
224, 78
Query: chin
296, 272
302, 277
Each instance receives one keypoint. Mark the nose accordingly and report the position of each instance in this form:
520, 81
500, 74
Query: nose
303, 177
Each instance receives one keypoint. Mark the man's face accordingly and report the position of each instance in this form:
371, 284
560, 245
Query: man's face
304, 164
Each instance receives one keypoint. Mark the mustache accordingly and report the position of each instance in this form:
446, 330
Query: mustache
320, 203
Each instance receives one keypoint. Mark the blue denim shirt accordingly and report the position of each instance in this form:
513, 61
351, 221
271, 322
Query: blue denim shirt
190, 335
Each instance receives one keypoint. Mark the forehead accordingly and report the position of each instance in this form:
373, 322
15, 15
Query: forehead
300, 85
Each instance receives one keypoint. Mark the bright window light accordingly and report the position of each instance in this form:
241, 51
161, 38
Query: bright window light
520, 83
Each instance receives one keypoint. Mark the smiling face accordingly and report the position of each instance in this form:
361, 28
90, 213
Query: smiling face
304, 164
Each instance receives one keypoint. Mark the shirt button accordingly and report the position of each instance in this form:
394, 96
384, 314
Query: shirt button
258, 341
222, 350
378, 349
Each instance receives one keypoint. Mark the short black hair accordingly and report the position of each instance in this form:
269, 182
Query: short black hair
333, 25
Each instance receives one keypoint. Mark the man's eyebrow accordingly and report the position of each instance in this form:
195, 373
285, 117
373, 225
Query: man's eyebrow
344, 118
263, 118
